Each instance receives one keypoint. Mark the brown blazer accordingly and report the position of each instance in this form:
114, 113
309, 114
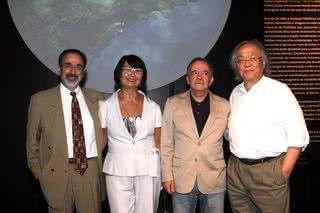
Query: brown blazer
184, 155
46, 143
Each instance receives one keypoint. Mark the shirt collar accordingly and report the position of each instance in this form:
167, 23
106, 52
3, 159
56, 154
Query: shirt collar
205, 100
256, 86
66, 91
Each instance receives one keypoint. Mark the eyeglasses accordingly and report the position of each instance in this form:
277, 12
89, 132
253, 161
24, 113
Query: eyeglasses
203, 73
251, 60
68, 67
136, 71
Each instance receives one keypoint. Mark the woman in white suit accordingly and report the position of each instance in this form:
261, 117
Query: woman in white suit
132, 125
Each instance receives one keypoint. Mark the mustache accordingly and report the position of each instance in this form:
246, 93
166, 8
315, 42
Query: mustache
199, 82
70, 75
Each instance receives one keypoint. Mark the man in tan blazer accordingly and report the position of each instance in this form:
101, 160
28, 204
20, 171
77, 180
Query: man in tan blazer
50, 141
193, 165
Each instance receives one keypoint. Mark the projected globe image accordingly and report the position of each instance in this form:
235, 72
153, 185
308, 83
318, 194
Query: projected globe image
166, 34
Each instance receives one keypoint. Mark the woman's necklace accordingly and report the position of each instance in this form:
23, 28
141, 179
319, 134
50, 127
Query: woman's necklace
123, 106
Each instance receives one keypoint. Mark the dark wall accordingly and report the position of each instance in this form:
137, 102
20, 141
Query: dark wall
23, 75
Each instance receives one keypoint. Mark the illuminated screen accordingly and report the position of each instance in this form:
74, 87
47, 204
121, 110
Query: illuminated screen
166, 34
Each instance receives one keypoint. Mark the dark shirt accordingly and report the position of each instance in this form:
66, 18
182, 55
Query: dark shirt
201, 111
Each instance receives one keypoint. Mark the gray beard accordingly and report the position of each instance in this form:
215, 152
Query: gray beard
71, 84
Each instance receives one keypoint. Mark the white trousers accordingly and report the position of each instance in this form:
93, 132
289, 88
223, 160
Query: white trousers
133, 194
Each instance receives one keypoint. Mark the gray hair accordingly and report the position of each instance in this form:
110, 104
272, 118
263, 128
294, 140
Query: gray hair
264, 58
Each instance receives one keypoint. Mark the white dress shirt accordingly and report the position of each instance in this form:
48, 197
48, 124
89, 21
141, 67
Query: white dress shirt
88, 125
265, 120
127, 155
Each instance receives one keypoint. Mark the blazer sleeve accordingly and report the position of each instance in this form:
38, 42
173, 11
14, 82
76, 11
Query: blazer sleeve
33, 137
103, 113
167, 142
158, 120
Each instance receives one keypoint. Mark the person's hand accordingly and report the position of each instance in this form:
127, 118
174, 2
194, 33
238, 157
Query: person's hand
286, 171
290, 160
169, 185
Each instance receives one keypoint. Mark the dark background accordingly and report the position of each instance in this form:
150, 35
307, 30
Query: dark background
24, 75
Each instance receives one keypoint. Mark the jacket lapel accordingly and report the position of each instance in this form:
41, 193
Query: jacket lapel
145, 110
209, 126
93, 109
58, 121
187, 109
118, 114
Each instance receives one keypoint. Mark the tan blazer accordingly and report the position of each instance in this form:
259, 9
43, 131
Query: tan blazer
46, 144
185, 156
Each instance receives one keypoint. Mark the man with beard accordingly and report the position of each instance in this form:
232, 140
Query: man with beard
193, 166
64, 140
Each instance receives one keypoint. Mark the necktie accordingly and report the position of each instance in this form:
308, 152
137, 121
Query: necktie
79, 149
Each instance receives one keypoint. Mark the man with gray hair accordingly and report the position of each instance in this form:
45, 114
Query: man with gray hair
266, 131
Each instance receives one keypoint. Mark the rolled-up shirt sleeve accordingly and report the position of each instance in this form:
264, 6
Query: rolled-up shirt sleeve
296, 129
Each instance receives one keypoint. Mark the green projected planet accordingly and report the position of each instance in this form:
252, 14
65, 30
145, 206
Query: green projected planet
166, 34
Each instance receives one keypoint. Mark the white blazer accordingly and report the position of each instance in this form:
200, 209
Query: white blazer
128, 156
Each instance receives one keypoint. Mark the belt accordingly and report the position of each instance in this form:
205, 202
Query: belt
255, 161
72, 160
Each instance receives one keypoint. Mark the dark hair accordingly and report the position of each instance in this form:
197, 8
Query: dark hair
200, 59
76, 51
264, 57
135, 62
